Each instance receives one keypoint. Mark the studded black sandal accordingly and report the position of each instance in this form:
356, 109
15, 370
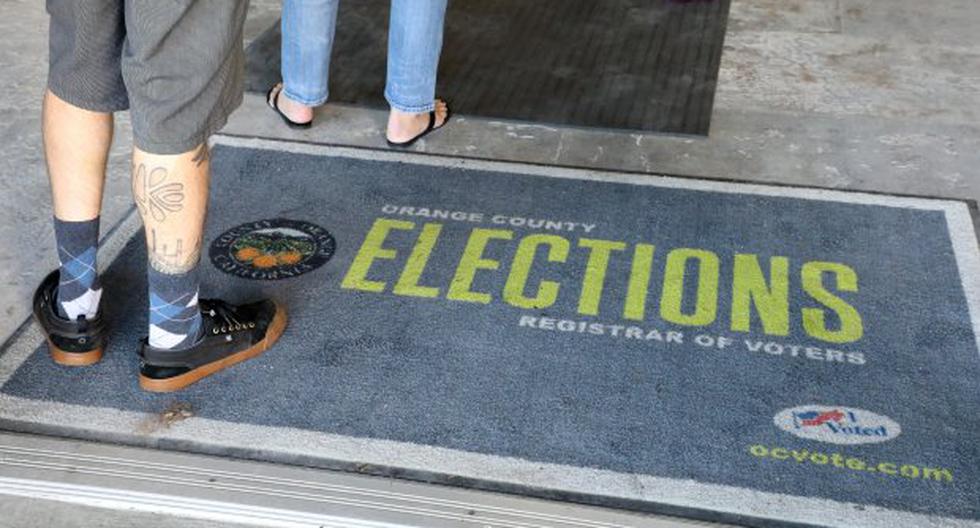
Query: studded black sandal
230, 334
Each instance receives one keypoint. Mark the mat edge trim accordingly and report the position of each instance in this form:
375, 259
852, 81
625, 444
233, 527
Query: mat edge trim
657, 491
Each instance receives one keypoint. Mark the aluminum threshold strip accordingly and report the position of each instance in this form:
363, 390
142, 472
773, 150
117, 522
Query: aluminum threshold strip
263, 494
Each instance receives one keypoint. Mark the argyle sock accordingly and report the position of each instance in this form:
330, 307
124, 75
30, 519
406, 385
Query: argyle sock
175, 319
79, 290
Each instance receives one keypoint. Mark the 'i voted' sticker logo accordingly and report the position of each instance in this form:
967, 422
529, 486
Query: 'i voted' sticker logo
837, 424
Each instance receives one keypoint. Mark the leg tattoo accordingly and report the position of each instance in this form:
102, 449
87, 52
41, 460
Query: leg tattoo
170, 256
154, 195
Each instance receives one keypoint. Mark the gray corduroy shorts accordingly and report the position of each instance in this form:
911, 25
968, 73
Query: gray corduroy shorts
177, 65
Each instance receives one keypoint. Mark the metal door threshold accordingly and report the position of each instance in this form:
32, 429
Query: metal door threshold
263, 494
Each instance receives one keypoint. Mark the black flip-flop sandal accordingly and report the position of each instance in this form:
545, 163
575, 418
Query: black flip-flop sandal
273, 103
431, 128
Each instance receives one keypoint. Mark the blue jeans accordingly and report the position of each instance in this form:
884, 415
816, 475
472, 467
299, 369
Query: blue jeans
414, 44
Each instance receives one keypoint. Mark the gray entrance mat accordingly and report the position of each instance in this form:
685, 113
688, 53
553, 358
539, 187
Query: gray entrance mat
753, 354
646, 65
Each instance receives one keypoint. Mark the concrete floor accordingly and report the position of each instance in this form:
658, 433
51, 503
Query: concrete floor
880, 95
833, 93
36, 513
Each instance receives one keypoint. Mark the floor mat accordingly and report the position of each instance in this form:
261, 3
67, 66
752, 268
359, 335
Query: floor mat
643, 65
720, 350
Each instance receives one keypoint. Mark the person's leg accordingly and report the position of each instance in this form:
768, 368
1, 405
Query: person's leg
184, 70
414, 44
308, 28
171, 192
76, 148
189, 338
84, 87
177, 102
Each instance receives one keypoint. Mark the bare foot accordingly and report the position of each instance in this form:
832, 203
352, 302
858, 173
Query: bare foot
403, 126
297, 112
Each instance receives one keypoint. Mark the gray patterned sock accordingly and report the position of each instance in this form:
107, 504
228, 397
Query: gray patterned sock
79, 290
175, 319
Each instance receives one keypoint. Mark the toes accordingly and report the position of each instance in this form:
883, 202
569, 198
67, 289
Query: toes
273, 94
442, 112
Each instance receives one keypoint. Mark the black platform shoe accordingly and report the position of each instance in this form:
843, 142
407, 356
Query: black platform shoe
73, 343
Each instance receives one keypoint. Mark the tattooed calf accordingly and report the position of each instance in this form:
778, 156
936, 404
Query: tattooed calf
171, 257
156, 197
